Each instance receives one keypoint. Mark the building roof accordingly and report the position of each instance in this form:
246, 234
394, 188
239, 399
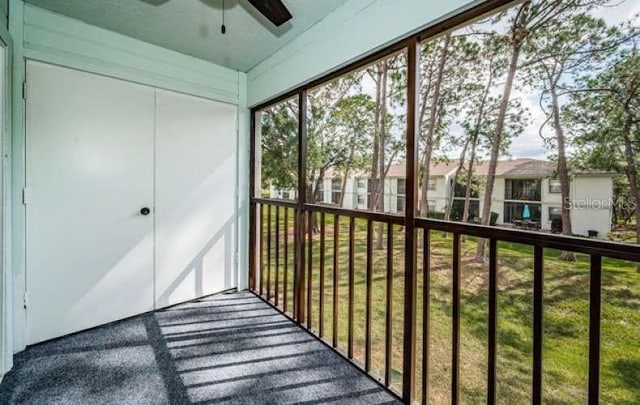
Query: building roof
519, 168
522, 167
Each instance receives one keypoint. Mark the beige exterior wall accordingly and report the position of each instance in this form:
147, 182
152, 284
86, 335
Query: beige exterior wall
591, 198
438, 197
553, 199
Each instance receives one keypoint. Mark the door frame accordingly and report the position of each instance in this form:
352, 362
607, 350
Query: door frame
6, 281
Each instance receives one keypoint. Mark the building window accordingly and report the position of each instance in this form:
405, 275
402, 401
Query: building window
523, 190
555, 213
431, 205
460, 189
431, 185
514, 211
402, 194
555, 186
361, 199
362, 184
336, 191
457, 209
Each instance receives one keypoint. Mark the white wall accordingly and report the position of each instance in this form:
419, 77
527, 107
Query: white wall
6, 282
591, 198
48, 37
390, 195
554, 199
356, 28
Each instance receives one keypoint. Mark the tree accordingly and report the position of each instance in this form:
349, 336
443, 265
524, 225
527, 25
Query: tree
390, 91
326, 148
557, 55
607, 120
354, 122
444, 70
279, 144
528, 18
487, 67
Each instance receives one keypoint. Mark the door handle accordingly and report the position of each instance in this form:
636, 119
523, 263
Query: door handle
145, 211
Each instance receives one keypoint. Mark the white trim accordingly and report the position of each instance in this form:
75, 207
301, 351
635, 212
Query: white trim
242, 184
6, 282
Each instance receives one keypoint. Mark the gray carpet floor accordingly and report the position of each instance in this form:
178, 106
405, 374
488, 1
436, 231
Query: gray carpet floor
230, 348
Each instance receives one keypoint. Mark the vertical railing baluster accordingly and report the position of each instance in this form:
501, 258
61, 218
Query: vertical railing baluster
538, 285
310, 215
389, 308
369, 279
426, 301
253, 227
296, 251
253, 207
595, 313
455, 341
321, 291
336, 242
352, 227
285, 277
300, 273
261, 266
493, 325
269, 252
276, 291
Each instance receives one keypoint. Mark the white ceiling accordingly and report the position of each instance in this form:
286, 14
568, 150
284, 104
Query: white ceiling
192, 27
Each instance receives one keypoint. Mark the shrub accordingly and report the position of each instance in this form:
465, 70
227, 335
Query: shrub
435, 215
494, 218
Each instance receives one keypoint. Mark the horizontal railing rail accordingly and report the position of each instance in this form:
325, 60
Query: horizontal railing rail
575, 244
274, 202
360, 214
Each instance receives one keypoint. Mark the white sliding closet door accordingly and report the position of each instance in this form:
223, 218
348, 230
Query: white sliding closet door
195, 197
89, 173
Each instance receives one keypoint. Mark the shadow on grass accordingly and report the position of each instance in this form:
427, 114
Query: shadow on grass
628, 371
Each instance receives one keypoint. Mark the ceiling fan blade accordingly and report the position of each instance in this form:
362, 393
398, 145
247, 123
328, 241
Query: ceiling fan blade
274, 10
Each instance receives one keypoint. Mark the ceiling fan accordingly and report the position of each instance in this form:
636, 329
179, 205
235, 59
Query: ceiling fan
274, 10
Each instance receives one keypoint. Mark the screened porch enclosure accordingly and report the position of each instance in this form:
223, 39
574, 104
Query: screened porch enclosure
372, 202
438, 307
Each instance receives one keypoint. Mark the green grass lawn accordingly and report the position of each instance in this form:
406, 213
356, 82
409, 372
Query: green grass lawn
566, 317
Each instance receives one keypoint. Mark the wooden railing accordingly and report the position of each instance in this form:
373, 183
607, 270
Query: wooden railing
322, 266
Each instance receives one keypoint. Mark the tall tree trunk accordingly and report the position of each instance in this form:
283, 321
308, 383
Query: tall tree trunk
474, 144
563, 171
435, 102
372, 203
381, 154
343, 188
315, 198
452, 190
469, 180
517, 37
